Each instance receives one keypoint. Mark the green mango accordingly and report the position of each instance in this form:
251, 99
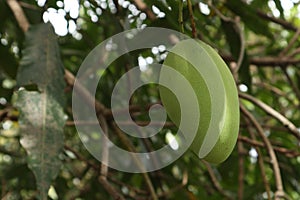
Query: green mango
216, 93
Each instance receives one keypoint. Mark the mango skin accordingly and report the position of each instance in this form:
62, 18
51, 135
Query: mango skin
229, 131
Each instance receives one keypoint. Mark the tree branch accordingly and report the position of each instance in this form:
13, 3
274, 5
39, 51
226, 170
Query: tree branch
193, 25
269, 110
19, 14
287, 152
280, 192
266, 61
143, 7
291, 43
215, 181
281, 22
260, 161
241, 170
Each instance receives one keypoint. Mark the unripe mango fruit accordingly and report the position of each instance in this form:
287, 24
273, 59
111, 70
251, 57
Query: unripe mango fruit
216, 94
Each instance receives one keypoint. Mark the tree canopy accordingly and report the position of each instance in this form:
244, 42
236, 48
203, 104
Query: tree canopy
43, 43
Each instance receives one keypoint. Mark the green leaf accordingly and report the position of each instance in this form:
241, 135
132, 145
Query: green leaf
41, 112
279, 7
233, 39
249, 17
244, 72
41, 63
260, 4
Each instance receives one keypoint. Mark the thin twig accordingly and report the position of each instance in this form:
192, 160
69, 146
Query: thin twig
130, 187
266, 126
215, 181
81, 158
294, 53
260, 161
292, 83
223, 17
110, 189
137, 161
284, 69
278, 180
241, 170
291, 43
177, 187
180, 17
287, 152
273, 61
105, 152
270, 87
193, 24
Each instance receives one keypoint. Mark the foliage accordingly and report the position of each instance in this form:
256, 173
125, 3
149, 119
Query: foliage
258, 39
